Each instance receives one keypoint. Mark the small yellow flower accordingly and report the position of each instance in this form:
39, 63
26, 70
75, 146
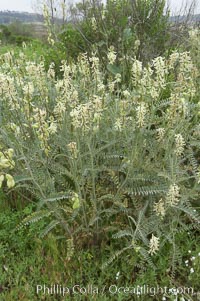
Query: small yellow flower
4, 163
1, 180
10, 152
76, 201
10, 181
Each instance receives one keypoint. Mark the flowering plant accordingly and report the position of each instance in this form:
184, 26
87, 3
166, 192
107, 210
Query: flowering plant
101, 157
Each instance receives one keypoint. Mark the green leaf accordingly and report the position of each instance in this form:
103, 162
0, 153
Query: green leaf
127, 34
114, 69
101, 43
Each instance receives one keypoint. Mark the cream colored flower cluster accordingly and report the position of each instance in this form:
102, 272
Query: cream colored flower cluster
154, 244
172, 199
151, 80
179, 144
41, 103
112, 55
6, 163
87, 115
176, 75
43, 128
24, 87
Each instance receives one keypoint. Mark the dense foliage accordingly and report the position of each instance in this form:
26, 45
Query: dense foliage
101, 148
103, 157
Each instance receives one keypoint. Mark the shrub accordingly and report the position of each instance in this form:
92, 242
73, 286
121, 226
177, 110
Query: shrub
102, 158
122, 24
134, 28
5, 33
71, 42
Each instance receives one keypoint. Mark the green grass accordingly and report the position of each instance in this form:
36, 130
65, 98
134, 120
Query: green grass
34, 46
35, 50
28, 261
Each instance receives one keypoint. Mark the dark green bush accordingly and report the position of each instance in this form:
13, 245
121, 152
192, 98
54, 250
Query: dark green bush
71, 42
120, 24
